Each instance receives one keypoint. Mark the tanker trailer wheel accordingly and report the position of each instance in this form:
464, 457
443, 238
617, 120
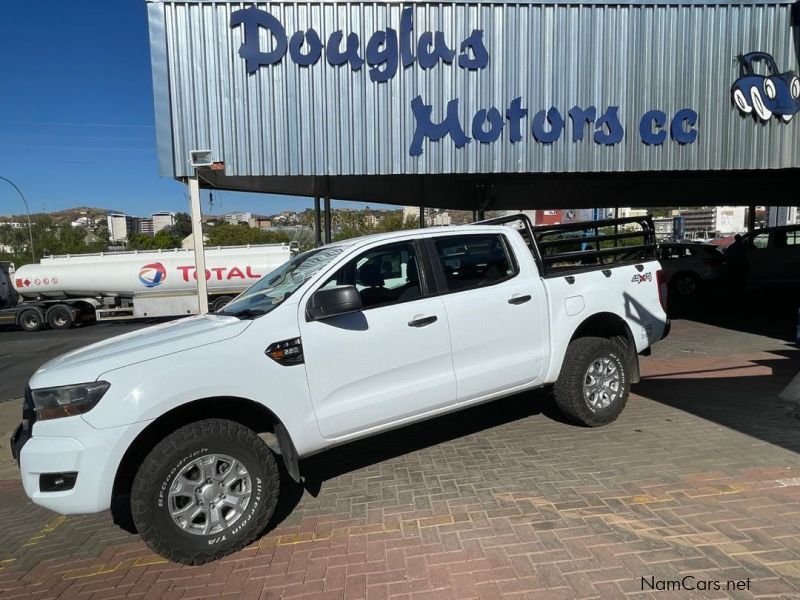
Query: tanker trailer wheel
30, 319
60, 316
220, 302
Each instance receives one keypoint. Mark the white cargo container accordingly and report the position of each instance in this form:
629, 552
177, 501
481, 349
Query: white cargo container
61, 290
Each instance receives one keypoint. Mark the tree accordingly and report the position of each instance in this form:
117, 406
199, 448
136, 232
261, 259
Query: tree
354, 223
182, 225
234, 235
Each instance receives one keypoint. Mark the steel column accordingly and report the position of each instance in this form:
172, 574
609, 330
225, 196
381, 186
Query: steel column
317, 224
328, 237
197, 240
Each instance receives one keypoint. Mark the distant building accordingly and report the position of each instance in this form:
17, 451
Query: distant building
234, 218
83, 222
120, 226
411, 212
624, 212
782, 215
188, 241
713, 221
146, 226
162, 220
433, 217
664, 227
260, 222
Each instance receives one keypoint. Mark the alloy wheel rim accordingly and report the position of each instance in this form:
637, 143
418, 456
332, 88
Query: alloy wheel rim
602, 383
209, 494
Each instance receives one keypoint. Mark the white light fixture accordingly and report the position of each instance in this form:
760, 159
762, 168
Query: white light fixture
200, 158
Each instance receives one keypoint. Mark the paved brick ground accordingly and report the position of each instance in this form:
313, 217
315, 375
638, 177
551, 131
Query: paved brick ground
700, 476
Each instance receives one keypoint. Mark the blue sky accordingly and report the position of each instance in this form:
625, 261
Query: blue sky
76, 112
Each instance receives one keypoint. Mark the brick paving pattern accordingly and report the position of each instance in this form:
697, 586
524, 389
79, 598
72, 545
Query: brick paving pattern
700, 476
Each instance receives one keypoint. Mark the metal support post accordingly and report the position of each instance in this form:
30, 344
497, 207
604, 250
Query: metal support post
328, 236
197, 239
317, 224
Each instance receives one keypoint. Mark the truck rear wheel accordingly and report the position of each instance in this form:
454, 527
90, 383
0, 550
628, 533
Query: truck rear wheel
593, 385
205, 491
30, 319
60, 316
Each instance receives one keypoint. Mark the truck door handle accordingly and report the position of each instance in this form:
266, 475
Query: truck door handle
421, 321
519, 299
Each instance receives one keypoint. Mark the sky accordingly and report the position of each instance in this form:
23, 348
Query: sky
76, 113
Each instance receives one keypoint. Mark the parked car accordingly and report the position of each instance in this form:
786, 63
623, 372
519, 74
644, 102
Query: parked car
341, 342
687, 264
773, 256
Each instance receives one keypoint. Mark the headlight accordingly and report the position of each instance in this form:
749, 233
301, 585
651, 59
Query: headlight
769, 87
67, 400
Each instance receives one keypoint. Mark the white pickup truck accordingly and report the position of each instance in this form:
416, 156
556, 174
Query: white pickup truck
193, 420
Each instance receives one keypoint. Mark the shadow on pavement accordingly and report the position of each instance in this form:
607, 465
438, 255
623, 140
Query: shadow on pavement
359, 454
770, 312
748, 404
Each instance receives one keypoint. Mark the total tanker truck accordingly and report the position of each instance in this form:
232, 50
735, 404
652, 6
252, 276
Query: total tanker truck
61, 291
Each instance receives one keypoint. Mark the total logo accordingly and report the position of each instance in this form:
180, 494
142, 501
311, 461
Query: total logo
152, 275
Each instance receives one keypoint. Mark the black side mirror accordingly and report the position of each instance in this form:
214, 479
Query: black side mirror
330, 302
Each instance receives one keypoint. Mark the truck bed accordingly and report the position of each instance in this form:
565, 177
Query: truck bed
571, 248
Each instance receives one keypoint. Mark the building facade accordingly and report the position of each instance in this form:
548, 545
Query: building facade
162, 220
120, 226
713, 220
481, 106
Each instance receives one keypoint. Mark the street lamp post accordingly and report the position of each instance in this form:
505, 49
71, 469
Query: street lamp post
28, 210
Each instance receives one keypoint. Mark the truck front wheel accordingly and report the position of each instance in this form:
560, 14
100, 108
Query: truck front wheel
31, 319
205, 491
593, 385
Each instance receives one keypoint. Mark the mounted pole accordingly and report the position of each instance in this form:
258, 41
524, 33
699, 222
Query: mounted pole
197, 240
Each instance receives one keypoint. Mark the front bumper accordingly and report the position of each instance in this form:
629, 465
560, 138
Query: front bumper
67, 446
20, 436
23, 432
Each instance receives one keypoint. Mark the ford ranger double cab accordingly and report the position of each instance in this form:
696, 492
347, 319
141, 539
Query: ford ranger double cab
194, 423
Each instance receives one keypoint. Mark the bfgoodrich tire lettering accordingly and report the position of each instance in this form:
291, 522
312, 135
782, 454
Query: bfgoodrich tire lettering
569, 391
153, 507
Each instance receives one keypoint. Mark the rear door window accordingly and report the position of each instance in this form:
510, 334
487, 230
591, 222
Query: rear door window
472, 261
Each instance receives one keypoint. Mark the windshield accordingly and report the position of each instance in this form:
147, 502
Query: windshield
274, 288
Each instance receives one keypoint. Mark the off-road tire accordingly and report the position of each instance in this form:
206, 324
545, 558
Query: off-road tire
568, 390
149, 494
